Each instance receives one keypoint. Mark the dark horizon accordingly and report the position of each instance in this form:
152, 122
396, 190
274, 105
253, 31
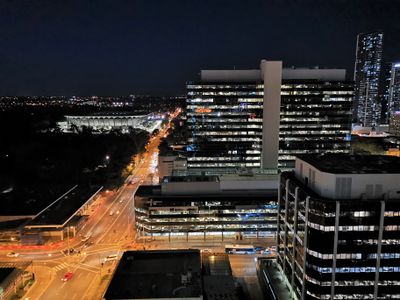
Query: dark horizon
154, 47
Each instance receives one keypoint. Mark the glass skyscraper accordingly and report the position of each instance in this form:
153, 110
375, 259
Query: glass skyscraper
367, 106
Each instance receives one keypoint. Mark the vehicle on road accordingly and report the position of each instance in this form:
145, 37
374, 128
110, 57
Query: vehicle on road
12, 254
117, 212
205, 251
133, 181
88, 243
67, 276
111, 257
111, 213
85, 238
239, 249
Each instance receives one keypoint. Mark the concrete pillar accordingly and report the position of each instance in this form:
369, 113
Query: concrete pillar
271, 73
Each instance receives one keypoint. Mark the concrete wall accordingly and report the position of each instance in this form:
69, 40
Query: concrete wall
188, 188
230, 75
319, 74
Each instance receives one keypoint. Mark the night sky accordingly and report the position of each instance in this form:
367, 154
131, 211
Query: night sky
153, 47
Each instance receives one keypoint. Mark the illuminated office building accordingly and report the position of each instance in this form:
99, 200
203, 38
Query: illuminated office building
338, 227
251, 118
367, 106
230, 114
315, 114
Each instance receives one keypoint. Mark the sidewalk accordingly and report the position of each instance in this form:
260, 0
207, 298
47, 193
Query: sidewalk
43, 278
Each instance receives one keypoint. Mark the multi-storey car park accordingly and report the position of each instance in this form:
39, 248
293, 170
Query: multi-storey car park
207, 207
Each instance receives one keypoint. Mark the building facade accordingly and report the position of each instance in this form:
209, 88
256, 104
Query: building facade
225, 125
229, 115
338, 233
207, 207
394, 124
254, 118
367, 106
315, 117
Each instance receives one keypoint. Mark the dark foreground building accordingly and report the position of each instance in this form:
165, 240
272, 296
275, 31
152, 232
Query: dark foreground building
160, 274
339, 232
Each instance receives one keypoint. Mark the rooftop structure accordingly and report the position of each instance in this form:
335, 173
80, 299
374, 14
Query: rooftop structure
58, 213
160, 274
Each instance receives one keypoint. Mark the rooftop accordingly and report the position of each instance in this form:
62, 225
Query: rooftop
65, 207
354, 164
29, 200
156, 274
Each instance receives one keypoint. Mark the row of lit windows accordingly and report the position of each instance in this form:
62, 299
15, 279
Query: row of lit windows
206, 227
220, 86
350, 228
230, 93
210, 133
392, 214
352, 282
206, 219
307, 126
313, 132
227, 120
355, 269
224, 165
312, 113
248, 139
242, 106
370, 242
354, 296
338, 256
222, 158
219, 114
316, 93
235, 126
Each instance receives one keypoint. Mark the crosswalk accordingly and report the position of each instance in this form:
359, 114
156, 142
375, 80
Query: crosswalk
63, 266
72, 267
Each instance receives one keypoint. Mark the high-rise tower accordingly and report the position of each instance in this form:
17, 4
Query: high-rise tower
367, 107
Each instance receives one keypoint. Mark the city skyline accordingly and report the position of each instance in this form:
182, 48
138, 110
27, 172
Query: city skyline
83, 48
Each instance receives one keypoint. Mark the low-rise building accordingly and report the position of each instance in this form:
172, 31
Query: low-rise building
208, 206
